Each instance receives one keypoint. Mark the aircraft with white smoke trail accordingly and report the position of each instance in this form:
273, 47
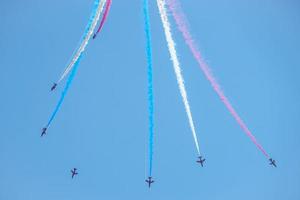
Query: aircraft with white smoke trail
98, 8
201, 160
54, 86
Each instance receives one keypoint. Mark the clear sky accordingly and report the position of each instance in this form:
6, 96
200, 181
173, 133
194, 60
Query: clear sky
253, 48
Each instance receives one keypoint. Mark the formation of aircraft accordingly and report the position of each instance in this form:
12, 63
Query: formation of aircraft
273, 162
149, 181
74, 172
54, 86
43, 132
201, 160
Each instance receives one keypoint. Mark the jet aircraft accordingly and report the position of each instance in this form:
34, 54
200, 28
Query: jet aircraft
272, 162
54, 86
43, 132
74, 172
201, 161
149, 181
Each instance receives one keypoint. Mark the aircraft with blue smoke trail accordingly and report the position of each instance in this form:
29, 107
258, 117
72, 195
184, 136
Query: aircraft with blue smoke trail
54, 86
201, 161
43, 132
149, 181
272, 162
74, 172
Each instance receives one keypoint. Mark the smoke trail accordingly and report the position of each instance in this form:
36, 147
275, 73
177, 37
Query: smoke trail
176, 65
86, 37
150, 81
63, 94
106, 11
180, 21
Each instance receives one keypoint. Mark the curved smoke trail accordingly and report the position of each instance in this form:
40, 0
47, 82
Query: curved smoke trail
106, 11
180, 21
176, 65
150, 81
97, 10
63, 94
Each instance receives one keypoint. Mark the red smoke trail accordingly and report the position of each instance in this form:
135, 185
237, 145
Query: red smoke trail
107, 8
180, 21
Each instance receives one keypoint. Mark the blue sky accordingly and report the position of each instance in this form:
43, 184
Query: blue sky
253, 49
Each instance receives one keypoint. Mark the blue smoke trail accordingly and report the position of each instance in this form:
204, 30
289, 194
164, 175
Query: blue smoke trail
63, 94
92, 17
87, 28
89, 25
150, 82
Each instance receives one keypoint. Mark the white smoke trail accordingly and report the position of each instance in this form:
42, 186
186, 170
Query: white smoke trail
176, 65
85, 41
180, 20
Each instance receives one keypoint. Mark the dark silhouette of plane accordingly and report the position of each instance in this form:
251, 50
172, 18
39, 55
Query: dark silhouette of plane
94, 36
54, 86
149, 181
201, 161
272, 162
74, 172
43, 132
